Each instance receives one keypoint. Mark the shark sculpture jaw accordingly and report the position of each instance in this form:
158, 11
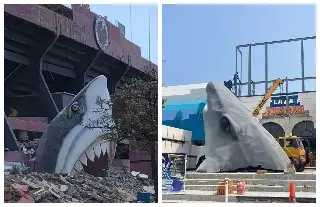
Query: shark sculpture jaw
234, 138
74, 135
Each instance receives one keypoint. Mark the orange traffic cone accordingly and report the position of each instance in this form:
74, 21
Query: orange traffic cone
292, 195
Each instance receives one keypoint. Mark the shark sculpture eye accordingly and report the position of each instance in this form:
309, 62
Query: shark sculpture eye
75, 107
225, 124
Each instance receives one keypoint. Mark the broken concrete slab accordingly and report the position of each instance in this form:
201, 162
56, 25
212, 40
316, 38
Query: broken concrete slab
25, 200
20, 187
144, 176
63, 188
80, 187
149, 189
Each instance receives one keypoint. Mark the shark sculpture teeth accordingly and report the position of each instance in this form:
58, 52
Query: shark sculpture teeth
90, 154
78, 166
104, 147
96, 150
83, 159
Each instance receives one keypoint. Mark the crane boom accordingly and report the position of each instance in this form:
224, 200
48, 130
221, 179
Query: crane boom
266, 97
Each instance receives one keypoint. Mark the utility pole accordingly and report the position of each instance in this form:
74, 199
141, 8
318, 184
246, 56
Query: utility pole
149, 41
130, 23
287, 101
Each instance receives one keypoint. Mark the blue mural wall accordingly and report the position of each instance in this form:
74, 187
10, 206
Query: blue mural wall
185, 115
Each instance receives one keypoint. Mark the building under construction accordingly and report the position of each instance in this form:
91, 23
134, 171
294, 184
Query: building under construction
282, 113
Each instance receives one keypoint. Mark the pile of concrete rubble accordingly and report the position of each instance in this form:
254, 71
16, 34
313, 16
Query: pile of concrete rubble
81, 187
29, 147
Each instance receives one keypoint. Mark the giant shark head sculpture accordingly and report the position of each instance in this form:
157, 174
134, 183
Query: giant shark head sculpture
72, 138
234, 138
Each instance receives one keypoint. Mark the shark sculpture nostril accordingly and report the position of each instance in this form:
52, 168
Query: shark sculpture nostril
234, 139
69, 140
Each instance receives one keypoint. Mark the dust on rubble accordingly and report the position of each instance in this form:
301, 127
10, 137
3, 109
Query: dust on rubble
81, 187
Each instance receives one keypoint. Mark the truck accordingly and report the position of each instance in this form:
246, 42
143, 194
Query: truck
293, 147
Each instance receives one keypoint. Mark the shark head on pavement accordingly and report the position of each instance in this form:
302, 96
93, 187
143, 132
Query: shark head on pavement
70, 140
234, 139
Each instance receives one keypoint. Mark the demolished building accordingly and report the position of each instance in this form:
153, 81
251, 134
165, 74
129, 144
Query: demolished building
51, 53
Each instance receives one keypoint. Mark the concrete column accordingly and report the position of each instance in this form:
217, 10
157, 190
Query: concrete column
81, 69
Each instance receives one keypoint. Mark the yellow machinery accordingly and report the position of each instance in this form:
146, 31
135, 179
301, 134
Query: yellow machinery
266, 97
310, 153
293, 147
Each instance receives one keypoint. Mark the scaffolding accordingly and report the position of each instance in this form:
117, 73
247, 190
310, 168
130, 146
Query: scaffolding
251, 85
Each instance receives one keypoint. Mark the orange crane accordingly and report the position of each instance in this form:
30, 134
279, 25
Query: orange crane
266, 97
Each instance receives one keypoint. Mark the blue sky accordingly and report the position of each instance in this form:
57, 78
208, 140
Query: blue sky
199, 42
140, 24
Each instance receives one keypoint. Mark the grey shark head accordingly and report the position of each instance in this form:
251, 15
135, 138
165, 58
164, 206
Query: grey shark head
74, 135
234, 138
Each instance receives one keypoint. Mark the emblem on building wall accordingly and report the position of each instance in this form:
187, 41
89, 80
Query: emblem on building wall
101, 33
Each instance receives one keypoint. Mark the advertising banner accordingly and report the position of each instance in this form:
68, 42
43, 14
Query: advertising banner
281, 101
173, 171
279, 107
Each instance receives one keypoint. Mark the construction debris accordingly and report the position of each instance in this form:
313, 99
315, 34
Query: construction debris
29, 147
290, 170
80, 187
261, 171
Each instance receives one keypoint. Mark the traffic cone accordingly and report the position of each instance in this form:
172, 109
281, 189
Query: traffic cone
292, 195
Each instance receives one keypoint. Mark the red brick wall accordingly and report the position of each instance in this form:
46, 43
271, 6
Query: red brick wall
140, 162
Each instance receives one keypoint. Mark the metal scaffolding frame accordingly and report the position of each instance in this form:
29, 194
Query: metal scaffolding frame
250, 83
